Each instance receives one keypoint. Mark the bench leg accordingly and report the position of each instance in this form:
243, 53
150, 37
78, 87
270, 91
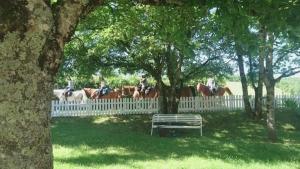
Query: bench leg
151, 131
201, 131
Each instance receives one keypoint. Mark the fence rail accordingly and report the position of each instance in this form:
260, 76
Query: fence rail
149, 106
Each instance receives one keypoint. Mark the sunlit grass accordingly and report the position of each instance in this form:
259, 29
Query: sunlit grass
230, 140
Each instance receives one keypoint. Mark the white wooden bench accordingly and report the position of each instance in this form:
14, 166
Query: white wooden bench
193, 121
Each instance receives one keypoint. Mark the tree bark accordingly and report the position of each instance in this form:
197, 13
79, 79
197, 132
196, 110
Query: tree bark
270, 112
261, 74
31, 51
25, 89
253, 81
240, 61
162, 100
270, 85
174, 74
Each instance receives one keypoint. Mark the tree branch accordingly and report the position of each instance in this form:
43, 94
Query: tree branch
278, 60
288, 73
209, 59
199, 69
67, 14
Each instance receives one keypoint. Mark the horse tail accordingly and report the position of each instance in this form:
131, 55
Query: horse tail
84, 96
193, 90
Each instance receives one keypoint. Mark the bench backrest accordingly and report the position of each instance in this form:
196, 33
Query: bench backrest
176, 118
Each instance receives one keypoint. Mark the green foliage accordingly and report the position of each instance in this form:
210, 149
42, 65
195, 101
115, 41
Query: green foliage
292, 106
119, 81
93, 81
125, 37
131, 80
290, 103
79, 82
135, 38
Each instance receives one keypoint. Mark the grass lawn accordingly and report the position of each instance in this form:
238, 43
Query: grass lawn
230, 140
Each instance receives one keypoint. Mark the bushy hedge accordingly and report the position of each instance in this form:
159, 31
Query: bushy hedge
112, 82
292, 106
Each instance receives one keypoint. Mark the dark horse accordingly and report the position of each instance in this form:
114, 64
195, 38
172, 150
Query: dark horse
91, 93
187, 91
201, 88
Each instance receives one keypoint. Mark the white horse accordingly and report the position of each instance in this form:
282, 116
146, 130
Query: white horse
77, 95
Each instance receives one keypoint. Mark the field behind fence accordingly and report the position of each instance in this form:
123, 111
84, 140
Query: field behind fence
150, 106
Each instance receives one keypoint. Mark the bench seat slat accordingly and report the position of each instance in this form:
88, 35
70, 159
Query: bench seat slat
193, 121
175, 120
173, 126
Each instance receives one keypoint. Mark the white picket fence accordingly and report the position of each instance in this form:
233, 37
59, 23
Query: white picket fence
104, 107
149, 106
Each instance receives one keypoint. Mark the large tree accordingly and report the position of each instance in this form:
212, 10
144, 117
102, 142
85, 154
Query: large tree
264, 33
162, 41
32, 38
278, 51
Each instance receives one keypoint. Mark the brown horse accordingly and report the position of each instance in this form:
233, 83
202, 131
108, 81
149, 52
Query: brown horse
91, 93
127, 91
187, 91
153, 93
201, 88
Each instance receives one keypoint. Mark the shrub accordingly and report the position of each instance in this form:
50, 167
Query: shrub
291, 105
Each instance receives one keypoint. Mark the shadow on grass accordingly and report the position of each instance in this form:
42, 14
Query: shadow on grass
227, 136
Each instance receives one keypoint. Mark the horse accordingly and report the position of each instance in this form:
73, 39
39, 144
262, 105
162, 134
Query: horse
91, 93
153, 93
78, 95
201, 88
127, 91
187, 91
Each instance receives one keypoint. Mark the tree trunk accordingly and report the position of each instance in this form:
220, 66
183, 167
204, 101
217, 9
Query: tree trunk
173, 101
25, 96
261, 74
240, 61
270, 113
25, 108
270, 85
174, 74
162, 100
253, 80
32, 36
